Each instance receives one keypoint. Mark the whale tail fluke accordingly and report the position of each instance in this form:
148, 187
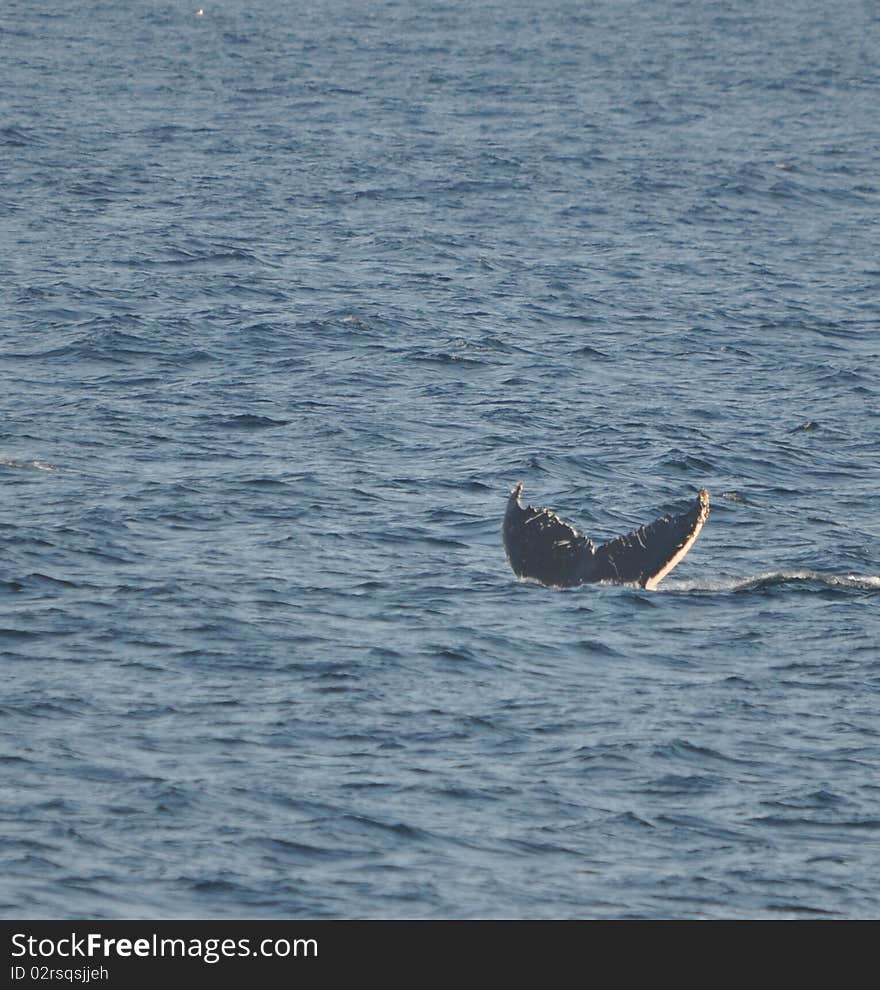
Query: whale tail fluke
541, 546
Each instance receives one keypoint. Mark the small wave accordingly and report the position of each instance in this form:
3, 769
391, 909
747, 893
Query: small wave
264, 483
596, 647
442, 358
683, 749
26, 465
736, 497
17, 137
777, 579
590, 352
94, 342
250, 421
678, 460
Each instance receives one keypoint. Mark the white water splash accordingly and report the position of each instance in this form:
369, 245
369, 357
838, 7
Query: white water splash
863, 582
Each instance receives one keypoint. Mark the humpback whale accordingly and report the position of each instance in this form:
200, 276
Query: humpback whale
541, 546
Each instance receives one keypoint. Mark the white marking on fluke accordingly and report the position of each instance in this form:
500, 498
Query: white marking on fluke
651, 583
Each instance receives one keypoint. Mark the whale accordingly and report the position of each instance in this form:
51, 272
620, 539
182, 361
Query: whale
544, 548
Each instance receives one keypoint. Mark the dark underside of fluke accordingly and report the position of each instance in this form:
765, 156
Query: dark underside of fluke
542, 547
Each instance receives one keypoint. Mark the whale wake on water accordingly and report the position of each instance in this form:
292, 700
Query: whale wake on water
802, 577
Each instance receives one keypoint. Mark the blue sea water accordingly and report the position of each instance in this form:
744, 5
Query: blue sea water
291, 294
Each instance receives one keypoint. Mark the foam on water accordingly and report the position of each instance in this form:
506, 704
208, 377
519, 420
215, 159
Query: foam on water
774, 579
26, 465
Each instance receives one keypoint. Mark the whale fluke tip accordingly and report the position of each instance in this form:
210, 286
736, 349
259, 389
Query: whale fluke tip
704, 504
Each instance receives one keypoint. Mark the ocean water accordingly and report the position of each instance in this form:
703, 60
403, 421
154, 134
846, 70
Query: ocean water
291, 294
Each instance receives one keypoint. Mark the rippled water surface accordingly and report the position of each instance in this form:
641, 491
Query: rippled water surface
291, 295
